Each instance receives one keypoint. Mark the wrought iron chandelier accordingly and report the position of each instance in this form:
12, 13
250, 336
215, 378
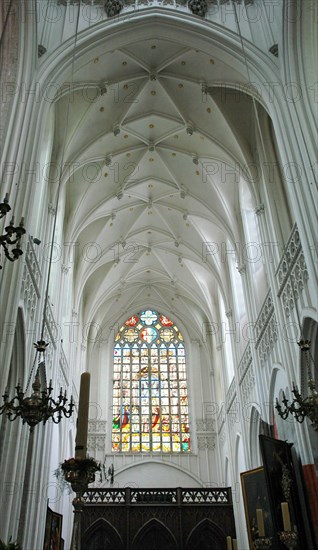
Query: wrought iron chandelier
12, 236
40, 406
301, 407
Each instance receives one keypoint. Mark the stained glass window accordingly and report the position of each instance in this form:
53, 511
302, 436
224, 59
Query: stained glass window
150, 395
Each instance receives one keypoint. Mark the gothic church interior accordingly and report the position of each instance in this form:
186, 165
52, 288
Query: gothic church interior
163, 157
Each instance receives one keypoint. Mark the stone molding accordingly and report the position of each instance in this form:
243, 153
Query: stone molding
266, 329
292, 274
206, 435
96, 440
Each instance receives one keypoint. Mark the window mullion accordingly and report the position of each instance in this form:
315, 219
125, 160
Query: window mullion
169, 400
160, 401
150, 399
179, 400
130, 399
121, 409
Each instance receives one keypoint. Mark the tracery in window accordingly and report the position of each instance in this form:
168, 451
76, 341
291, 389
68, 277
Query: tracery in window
150, 396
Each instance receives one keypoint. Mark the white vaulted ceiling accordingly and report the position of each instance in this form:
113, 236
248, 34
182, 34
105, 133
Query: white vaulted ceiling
150, 197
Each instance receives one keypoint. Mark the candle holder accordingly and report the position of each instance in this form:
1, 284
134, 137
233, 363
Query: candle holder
289, 538
262, 543
79, 472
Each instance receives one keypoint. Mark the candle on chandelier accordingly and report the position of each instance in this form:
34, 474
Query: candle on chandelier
82, 419
229, 543
234, 544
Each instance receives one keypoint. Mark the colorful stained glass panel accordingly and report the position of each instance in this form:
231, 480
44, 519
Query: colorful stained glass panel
150, 398
131, 335
165, 321
148, 317
132, 321
148, 334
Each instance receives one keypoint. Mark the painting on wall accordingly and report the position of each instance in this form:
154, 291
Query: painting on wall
255, 495
53, 531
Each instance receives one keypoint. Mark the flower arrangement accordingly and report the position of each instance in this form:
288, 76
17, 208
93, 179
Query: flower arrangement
81, 464
79, 472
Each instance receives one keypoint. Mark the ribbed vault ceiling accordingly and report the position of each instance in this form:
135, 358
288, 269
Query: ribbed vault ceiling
153, 195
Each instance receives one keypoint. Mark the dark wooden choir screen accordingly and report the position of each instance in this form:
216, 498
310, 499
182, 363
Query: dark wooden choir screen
157, 519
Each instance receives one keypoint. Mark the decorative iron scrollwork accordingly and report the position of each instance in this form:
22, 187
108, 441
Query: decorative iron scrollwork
113, 7
198, 7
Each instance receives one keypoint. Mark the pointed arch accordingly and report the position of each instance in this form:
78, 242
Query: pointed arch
206, 535
155, 535
279, 383
101, 534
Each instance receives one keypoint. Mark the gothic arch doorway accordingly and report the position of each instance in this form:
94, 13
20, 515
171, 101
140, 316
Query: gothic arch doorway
206, 536
154, 536
102, 536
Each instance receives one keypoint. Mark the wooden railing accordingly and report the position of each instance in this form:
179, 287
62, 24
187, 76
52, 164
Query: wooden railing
178, 496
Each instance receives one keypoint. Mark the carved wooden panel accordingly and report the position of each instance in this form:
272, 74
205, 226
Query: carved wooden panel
206, 536
102, 536
157, 519
154, 535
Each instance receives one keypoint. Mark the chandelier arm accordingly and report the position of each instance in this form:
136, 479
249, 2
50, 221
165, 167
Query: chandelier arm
12, 416
11, 410
10, 405
3, 409
11, 258
56, 404
6, 250
299, 408
285, 414
282, 413
57, 419
12, 235
55, 408
12, 241
300, 416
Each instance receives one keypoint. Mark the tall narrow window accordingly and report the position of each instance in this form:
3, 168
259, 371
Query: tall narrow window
150, 396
